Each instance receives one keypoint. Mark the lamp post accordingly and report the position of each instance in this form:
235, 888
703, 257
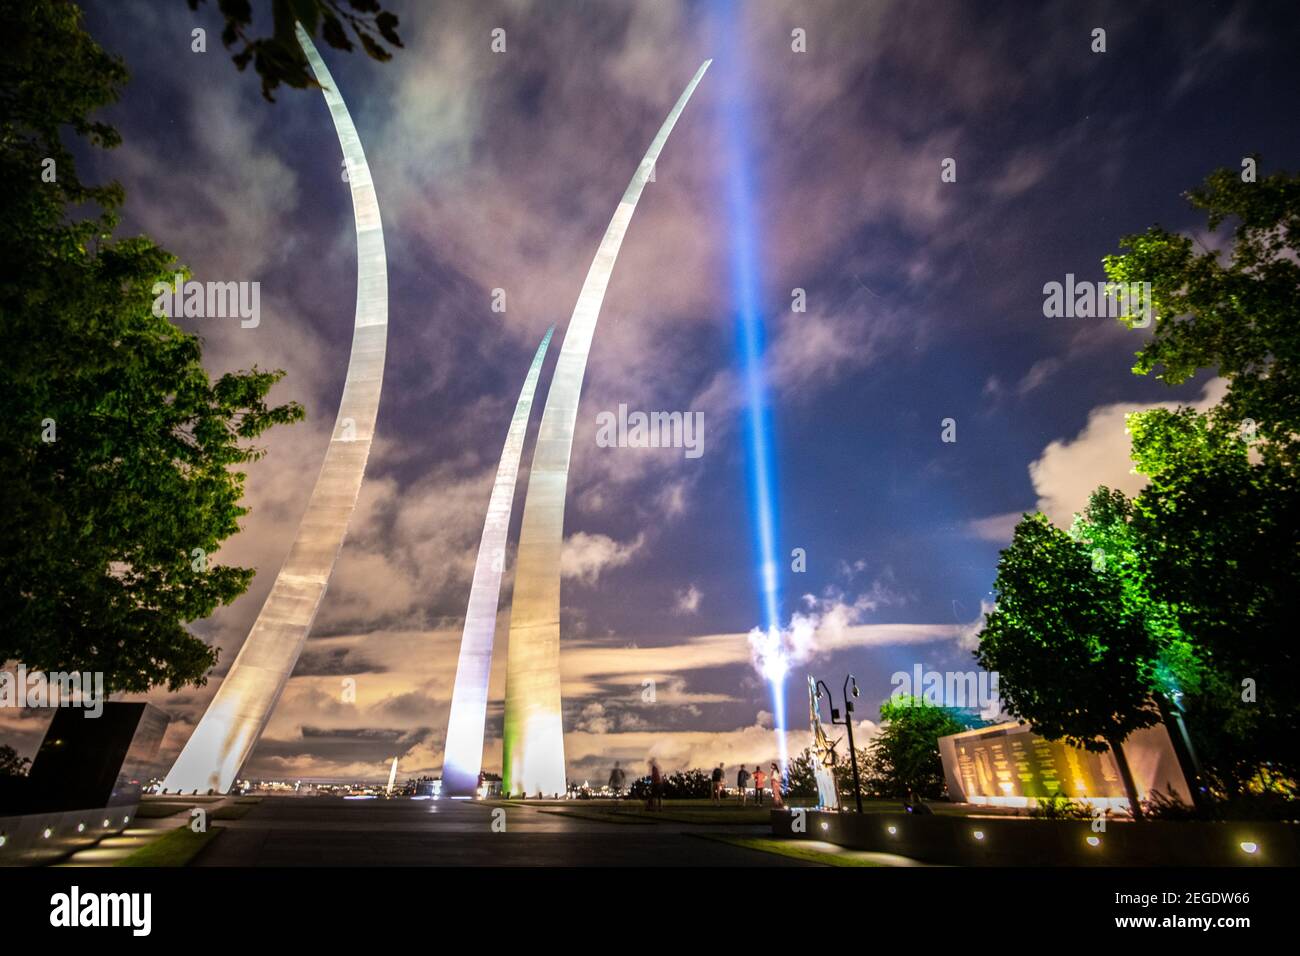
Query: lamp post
846, 722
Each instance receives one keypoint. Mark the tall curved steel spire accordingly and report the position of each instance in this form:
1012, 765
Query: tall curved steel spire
239, 712
532, 756
463, 756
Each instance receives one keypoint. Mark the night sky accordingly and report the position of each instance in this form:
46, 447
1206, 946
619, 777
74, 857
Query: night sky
924, 302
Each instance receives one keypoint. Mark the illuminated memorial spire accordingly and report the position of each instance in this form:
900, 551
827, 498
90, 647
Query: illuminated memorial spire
532, 755
463, 757
242, 706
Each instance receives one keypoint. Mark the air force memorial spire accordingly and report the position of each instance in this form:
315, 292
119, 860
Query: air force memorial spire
242, 706
463, 755
532, 752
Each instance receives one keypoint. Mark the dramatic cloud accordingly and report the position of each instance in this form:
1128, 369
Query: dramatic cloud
1069, 469
688, 601
995, 528
585, 556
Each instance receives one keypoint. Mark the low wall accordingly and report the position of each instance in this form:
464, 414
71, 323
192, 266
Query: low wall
1020, 841
36, 838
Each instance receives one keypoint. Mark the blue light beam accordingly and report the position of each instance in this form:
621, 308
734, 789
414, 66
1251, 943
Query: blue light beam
751, 344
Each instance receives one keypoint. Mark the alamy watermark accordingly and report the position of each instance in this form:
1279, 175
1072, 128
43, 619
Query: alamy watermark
23, 688
209, 300
74, 908
626, 429
1098, 300
972, 690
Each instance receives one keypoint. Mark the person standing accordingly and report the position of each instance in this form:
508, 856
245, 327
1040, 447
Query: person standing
616, 779
656, 786
742, 784
760, 781
718, 775
776, 787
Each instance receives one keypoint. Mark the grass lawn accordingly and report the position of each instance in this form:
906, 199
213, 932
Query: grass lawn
795, 849
176, 848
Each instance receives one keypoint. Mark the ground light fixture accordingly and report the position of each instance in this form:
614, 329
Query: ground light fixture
978, 834
893, 831
1249, 846
81, 828
46, 834
1094, 841
107, 823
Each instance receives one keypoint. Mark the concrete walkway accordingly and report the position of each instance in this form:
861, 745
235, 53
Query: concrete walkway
330, 831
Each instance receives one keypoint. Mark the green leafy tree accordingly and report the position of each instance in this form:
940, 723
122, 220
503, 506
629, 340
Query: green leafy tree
1220, 535
1107, 529
1073, 657
801, 781
1218, 526
278, 58
686, 785
1238, 314
117, 451
903, 759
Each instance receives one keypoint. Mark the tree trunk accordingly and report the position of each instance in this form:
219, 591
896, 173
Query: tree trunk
1183, 750
1130, 788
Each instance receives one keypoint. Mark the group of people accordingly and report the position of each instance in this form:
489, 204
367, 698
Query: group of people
761, 781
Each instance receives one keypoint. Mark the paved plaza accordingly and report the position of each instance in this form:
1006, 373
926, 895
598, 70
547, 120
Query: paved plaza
331, 831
